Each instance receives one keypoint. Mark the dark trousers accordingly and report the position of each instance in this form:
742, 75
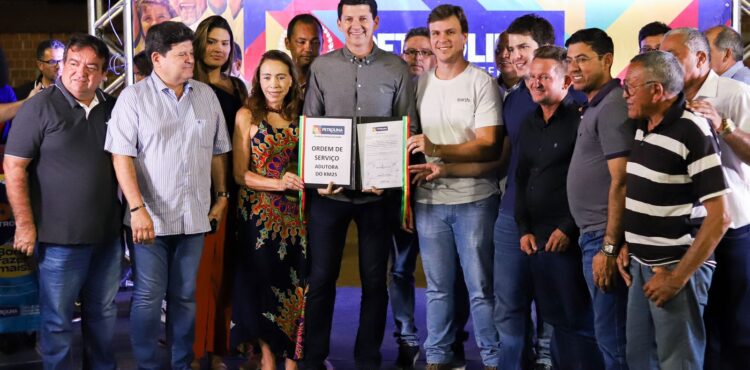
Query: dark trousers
563, 300
727, 315
327, 225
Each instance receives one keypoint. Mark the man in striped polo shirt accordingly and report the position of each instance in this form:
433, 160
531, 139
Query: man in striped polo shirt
672, 167
168, 141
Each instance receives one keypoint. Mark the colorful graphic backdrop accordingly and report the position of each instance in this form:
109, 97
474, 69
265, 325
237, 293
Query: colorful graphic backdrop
266, 20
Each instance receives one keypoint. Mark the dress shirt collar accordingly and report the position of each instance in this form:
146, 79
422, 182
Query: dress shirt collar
567, 104
710, 87
161, 86
733, 69
366, 60
671, 116
99, 95
604, 91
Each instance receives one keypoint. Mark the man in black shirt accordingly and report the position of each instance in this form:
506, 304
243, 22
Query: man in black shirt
548, 231
62, 188
48, 60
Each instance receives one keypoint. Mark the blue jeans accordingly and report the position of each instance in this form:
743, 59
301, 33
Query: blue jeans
401, 291
166, 267
544, 333
463, 231
513, 293
671, 337
610, 308
401, 286
64, 271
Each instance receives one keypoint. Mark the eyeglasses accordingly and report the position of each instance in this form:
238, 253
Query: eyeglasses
630, 90
646, 49
50, 62
581, 59
424, 53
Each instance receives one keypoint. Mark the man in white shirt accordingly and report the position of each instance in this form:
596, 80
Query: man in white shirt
459, 106
726, 53
723, 101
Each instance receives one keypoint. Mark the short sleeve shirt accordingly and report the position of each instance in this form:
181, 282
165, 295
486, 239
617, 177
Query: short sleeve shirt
173, 142
670, 170
605, 133
450, 113
72, 184
731, 99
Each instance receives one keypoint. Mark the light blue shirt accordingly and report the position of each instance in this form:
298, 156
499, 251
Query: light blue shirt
738, 72
173, 141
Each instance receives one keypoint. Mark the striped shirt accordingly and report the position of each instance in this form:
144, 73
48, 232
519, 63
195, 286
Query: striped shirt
173, 141
670, 170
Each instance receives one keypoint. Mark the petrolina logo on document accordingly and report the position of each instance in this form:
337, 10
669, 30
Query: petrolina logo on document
328, 130
379, 128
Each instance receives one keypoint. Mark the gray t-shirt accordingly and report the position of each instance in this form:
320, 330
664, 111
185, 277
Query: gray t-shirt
605, 133
72, 183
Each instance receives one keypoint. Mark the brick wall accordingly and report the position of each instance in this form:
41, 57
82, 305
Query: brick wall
20, 49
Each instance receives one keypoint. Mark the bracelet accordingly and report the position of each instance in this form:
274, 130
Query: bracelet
137, 208
434, 148
224, 194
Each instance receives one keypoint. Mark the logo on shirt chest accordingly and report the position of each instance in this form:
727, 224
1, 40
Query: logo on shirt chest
463, 100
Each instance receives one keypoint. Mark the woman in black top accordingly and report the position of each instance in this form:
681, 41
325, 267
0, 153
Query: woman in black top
213, 59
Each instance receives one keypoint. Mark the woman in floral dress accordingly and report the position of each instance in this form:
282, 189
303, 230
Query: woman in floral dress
270, 233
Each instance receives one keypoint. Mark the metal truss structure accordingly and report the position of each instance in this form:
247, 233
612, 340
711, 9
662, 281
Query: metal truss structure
102, 15
101, 19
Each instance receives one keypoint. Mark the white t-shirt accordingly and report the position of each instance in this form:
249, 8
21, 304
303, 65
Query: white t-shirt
731, 99
450, 112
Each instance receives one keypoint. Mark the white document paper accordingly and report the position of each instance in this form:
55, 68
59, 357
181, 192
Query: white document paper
327, 151
381, 154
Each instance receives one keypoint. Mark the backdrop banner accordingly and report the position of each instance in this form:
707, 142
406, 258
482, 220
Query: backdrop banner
260, 25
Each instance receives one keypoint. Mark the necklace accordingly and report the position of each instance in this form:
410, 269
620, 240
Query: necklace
273, 110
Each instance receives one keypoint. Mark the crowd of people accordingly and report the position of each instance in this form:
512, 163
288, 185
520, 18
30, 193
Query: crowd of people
619, 239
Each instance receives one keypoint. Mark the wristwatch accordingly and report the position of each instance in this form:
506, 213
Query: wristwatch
224, 194
727, 127
609, 249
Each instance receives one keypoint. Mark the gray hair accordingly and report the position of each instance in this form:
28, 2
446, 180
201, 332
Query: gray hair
662, 67
694, 39
727, 38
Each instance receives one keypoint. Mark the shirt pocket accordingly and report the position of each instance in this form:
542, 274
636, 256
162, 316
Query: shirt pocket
206, 133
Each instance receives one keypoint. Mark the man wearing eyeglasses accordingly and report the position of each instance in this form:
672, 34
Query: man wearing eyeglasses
49, 55
673, 174
650, 36
417, 52
596, 185
418, 55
